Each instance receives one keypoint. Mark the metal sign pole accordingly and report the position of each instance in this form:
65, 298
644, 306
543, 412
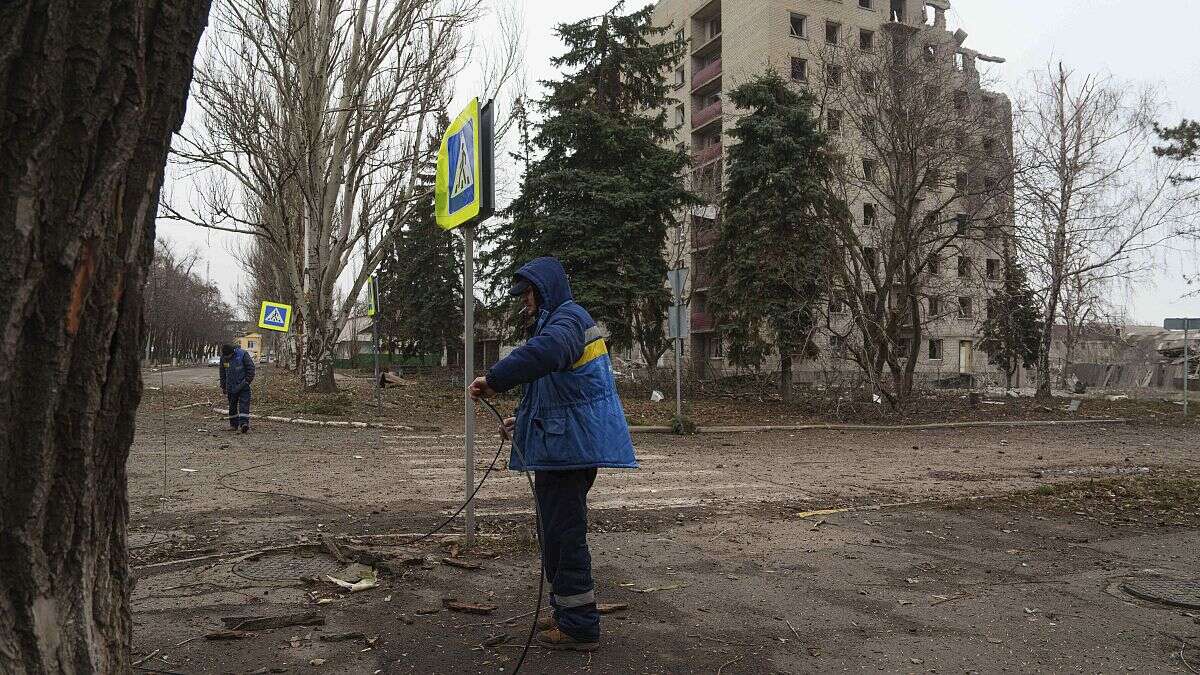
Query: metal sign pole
679, 380
468, 232
1187, 369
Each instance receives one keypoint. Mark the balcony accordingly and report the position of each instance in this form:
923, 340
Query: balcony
706, 114
706, 74
706, 155
702, 322
703, 237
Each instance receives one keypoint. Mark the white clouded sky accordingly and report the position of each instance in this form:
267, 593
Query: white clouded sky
1131, 39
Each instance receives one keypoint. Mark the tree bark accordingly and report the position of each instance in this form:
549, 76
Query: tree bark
90, 93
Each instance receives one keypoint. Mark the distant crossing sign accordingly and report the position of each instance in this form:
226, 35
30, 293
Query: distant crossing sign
275, 316
464, 189
372, 295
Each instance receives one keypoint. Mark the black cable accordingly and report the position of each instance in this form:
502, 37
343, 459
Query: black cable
537, 520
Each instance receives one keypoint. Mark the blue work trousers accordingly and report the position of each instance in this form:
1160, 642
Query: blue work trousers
239, 408
562, 500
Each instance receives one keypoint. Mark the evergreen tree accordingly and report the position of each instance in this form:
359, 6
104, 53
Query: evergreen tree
607, 184
767, 262
1013, 330
420, 283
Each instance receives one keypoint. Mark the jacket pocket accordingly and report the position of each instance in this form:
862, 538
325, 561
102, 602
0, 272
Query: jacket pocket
553, 426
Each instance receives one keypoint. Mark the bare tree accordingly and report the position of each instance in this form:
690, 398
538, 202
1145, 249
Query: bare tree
185, 315
925, 174
90, 93
1092, 198
315, 114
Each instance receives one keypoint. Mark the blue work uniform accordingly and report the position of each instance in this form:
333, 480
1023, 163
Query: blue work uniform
237, 372
570, 422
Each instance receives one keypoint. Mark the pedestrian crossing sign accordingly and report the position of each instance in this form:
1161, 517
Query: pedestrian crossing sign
463, 187
275, 316
372, 295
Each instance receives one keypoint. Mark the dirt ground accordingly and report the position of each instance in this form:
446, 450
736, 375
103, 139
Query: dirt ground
968, 550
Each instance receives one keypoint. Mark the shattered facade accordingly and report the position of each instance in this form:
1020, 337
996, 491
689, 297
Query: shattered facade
729, 41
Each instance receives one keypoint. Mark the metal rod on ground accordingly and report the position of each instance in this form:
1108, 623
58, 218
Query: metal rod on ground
468, 232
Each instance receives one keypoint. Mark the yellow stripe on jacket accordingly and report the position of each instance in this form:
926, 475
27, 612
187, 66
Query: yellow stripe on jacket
594, 350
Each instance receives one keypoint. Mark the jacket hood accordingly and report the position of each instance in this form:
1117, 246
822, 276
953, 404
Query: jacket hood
550, 279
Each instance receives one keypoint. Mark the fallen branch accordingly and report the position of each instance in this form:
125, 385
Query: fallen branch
335, 423
228, 635
145, 658
730, 662
869, 427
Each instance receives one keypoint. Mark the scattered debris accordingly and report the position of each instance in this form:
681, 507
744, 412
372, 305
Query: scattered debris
342, 637
332, 547
609, 608
268, 622
655, 589
228, 635
461, 564
495, 640
467, 608
358, 578
656, 396
316, 662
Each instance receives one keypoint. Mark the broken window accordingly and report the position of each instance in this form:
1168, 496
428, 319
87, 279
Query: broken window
993, 269
960, 61
934, 263
799, 69
833, 75
679, 76
837, 344
865, 4
714, 27
833, 31
868, 83
679, 36
935, 350
966, 308
898, 11
964, 266
866, 40
930, 15
799, 26
935, 305
962, 223
869, 168
835, 122
678, 115
930, 53
868, 217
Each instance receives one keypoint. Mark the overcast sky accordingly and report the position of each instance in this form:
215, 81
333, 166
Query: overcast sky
1131, 39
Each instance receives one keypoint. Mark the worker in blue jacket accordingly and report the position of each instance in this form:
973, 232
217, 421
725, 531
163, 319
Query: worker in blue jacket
569, 423
237, 372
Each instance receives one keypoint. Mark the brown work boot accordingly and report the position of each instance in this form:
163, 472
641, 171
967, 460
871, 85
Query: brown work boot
556, 639
547, 622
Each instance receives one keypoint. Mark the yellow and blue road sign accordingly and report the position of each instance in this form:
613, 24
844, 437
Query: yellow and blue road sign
464, 187
275, 316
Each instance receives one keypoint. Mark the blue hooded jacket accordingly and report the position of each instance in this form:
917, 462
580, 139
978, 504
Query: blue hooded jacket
237, 372
570, 416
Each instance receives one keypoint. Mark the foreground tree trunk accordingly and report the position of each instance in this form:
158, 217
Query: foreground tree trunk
90, 93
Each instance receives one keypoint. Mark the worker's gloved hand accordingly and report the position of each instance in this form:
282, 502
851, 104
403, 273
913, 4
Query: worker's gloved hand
480, 389
506, 429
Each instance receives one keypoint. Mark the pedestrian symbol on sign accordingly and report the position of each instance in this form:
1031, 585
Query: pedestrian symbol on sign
275, 316
464, 173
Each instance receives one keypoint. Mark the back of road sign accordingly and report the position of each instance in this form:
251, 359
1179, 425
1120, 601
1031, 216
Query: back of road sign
1181, 324
275, 316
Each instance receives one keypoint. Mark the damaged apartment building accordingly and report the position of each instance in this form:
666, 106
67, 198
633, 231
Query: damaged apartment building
730, 41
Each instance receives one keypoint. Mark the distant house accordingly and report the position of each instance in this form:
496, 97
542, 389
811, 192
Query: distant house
253, 343
355, 338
